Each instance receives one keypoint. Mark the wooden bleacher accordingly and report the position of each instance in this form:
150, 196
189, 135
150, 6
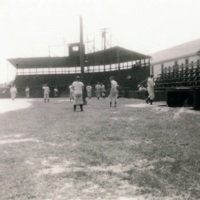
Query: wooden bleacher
182, 84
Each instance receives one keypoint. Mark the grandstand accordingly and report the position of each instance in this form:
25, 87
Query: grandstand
128, 67
177, 73
179, 76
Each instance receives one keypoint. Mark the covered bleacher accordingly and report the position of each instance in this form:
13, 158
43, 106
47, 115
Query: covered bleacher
60, 72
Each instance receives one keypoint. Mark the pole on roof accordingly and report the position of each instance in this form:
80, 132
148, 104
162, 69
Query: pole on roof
81, 50
104, 31
82, 60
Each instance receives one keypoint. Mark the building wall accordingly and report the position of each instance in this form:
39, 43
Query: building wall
157, 68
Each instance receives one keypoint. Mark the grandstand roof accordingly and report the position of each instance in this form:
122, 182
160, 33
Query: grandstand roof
108, 56
176, 52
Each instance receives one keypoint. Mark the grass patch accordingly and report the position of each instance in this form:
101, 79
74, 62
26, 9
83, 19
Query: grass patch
50, 152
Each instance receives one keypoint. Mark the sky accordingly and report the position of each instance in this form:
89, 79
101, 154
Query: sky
41, 28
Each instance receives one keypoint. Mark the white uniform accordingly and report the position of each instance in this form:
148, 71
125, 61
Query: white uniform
55, 92
27, 91
46, 92
71, 92
98, 90
89, 91
103, 90
114, 91
78, 92
13, 92
150, 88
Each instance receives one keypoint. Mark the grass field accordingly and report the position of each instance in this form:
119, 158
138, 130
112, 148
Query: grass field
132, 152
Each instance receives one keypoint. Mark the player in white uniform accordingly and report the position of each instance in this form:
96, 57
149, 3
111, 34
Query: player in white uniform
113, 91
13, 92
103, 90
98, 90
27, 91
46, 92
71, 93
89, 91
55, 92
150, 89
78, 93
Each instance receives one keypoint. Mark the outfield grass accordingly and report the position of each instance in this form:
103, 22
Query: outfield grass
132, 152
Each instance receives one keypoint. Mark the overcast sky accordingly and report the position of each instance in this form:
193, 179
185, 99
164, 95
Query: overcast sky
31, 28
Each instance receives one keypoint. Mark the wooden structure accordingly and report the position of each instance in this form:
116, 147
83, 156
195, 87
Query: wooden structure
182, 84
98, 66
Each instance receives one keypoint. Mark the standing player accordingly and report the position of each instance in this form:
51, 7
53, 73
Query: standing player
13, 92
55, 92
89, 91
71, 93
113, 91
78, 93
150, 88
103, 90
27, 91
46, 92
98, 90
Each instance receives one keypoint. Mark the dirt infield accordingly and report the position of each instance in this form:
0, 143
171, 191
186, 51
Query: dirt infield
132, 152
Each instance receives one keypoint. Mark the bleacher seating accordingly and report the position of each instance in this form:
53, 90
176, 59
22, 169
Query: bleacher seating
179, 76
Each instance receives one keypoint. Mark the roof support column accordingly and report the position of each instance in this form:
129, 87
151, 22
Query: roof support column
118, 62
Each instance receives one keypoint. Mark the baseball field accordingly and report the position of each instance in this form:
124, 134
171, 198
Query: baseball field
134, 151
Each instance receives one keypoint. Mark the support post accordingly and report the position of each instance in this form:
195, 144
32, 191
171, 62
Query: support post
118, 63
